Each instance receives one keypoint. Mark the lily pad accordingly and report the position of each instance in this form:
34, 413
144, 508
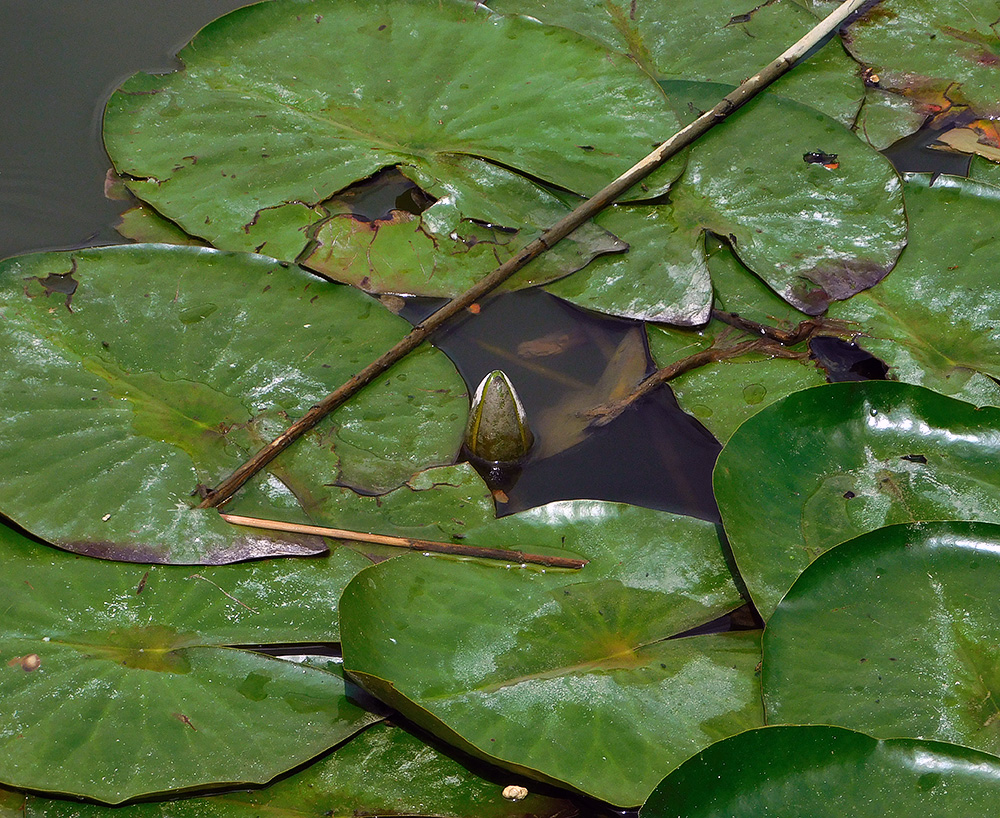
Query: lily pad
835, 461
117, 681
936, 319
137, 373
384, 771
280, 105
722, 41
827, 772
927, 49
910, 639
816, 213
724, 394
480, 217
517, 665
887, 117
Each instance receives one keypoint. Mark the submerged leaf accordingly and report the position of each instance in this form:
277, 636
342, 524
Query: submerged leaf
516, 665
138, 373
279, 106
117, 682
827, 772
910, 639
838, 460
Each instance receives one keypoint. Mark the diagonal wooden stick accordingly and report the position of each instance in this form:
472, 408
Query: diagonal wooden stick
550, 237
407, 542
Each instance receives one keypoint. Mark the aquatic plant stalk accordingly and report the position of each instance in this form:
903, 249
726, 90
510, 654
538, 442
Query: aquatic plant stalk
587, 210
502, 554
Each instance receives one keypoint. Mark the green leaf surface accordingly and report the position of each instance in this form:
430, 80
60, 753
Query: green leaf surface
886, 117
944, 52
720, 41
385, 771
725, 393
827, 772
815, 229
137, 373
144, 225
936, 319
483, 215
910, 640
570, 677
117, 680
829, 463
282, 104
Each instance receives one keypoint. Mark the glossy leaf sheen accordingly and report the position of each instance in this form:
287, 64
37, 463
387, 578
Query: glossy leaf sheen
517, 665
385, 771
910, 636
280, 105
827, 772
815, 232
936, 319
116, 681
836, 461
136, 373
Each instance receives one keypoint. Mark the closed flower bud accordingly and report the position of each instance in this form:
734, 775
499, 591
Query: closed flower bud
498, 429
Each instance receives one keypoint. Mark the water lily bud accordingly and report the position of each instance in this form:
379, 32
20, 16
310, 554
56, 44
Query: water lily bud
498, 429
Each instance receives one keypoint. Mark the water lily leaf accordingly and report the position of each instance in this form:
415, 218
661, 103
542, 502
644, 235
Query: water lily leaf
137, 373
818, 215
838, 460
887, 117
662, 277
279, 106
722, 41
878, 667
931, 50
382, 772
118, 682
483, 215
827, 772
143, 224
725, 393
516, 665
936, 319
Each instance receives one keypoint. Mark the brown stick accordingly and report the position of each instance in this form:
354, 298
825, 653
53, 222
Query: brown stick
588, 209
406, 542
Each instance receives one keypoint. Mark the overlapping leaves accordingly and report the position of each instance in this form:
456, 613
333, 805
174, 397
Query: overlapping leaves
517, 665
136, 374
119, 681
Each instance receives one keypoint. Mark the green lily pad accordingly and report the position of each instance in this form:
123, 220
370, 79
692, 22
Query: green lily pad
117, 680
817, 213
887, 117
483, 215
279, 106
724, 394
143, 224
137, 373
384, 771
827, 772
908, 642
517, 665
829, 463
721, 41
936, 319
946, 52
814, 232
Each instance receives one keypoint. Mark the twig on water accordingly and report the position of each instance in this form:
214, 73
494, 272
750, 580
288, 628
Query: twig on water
588, 209
502, 554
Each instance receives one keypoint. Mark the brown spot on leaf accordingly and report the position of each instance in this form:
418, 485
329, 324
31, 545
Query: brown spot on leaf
61, 283
27, 663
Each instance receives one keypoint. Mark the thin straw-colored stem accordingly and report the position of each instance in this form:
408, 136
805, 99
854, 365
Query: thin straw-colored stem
587, 210
503, 554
